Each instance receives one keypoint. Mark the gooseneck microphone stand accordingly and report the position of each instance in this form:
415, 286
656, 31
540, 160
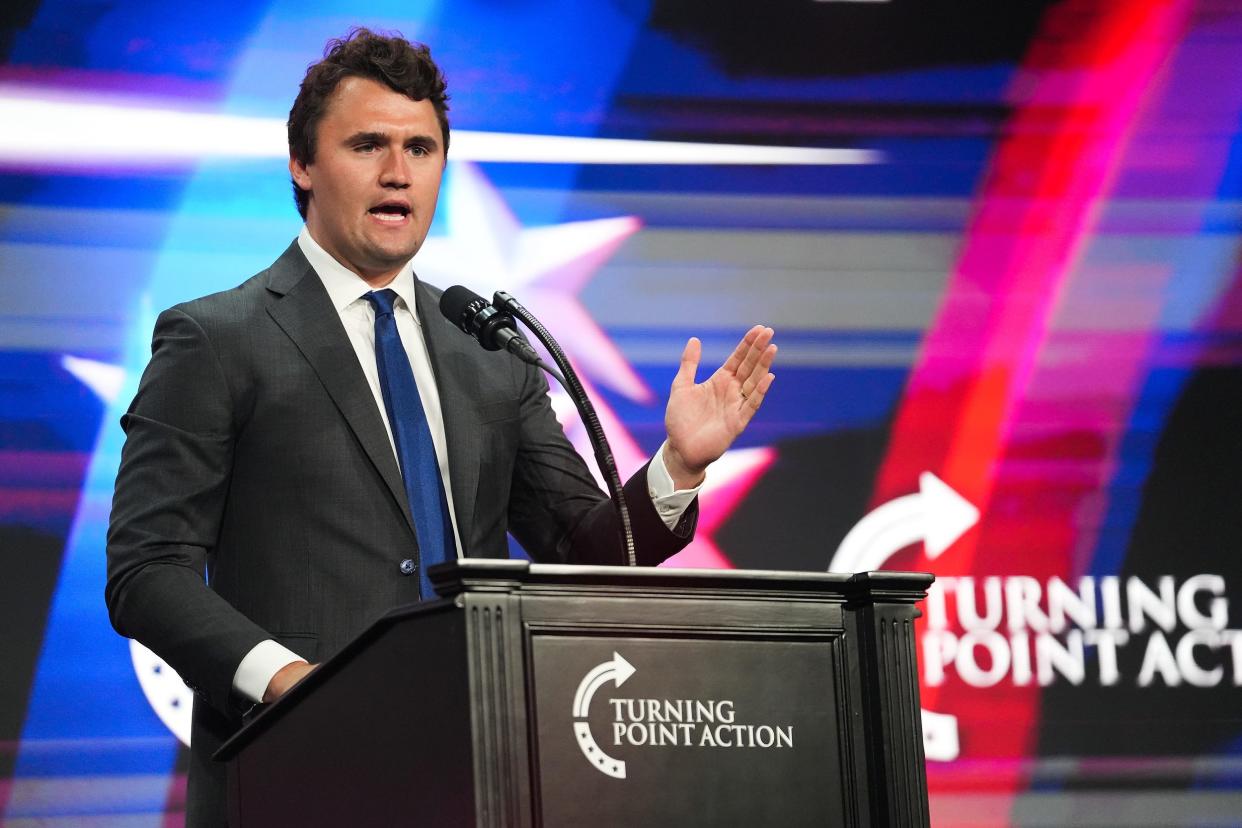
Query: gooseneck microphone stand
599, 442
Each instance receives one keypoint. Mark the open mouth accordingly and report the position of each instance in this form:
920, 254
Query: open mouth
390, 211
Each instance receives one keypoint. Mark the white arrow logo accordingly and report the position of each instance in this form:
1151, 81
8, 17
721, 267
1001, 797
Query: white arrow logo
618, 670
936, 515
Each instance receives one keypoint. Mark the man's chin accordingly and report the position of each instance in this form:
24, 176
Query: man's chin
380, 271
391, 256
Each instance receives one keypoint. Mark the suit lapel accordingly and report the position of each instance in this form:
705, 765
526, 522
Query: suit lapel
457, 407
302, 308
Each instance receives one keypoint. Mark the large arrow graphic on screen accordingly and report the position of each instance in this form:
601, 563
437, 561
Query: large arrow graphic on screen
935, 515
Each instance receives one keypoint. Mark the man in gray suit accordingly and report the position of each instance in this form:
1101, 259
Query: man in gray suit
264, 451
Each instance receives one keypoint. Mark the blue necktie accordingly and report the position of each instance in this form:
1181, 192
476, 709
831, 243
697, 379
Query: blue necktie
423, 487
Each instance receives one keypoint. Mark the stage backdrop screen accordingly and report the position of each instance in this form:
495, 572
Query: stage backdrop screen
998, 241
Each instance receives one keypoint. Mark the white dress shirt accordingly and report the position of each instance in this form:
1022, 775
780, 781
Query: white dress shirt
347, 291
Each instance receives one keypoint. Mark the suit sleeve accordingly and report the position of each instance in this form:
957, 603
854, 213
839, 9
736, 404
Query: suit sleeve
166, 512
557, 511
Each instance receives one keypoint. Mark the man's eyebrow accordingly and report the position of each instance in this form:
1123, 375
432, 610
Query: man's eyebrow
367, 138
428, 141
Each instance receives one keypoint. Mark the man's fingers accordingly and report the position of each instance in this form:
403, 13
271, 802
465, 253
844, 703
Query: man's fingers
755, 369
734, 362
755, 351
285, 678
769, 356
748, 364
754, 399
690, 356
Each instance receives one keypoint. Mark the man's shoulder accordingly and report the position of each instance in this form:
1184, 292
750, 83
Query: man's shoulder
236, 303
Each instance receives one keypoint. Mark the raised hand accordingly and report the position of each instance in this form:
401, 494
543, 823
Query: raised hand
704, 419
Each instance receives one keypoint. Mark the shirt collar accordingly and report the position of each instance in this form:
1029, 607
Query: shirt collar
346, 287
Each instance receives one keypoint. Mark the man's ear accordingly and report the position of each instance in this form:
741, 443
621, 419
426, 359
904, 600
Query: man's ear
299, 173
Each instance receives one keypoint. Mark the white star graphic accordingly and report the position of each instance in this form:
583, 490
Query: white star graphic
486, 250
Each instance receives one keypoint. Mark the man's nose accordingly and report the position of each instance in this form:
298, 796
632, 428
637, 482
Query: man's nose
395, 172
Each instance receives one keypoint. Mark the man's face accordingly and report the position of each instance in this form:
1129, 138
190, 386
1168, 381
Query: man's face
375, 178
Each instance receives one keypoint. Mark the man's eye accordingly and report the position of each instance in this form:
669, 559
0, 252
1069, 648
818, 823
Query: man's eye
418, 150
368, 147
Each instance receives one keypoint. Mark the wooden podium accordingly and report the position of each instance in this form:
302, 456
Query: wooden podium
540, 695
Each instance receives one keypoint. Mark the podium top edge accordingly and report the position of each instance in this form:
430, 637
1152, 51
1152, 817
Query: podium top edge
455, 575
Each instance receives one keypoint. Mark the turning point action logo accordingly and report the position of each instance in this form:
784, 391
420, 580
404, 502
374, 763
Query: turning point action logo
648, 723
1020, 630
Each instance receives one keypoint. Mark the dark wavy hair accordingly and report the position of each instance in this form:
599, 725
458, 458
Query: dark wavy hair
389, 59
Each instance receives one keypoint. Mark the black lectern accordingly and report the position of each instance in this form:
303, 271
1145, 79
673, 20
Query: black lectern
538, 695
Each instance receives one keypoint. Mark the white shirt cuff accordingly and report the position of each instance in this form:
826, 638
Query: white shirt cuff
257, 668
670, 504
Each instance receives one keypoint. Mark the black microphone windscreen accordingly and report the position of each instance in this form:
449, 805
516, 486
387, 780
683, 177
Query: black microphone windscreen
458, 303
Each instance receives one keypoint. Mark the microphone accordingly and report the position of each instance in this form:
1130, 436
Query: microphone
509, 304
494, 330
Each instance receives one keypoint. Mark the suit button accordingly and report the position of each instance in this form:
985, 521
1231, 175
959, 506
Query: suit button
407, 567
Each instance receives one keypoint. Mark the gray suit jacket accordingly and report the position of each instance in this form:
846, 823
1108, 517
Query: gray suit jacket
255, 453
